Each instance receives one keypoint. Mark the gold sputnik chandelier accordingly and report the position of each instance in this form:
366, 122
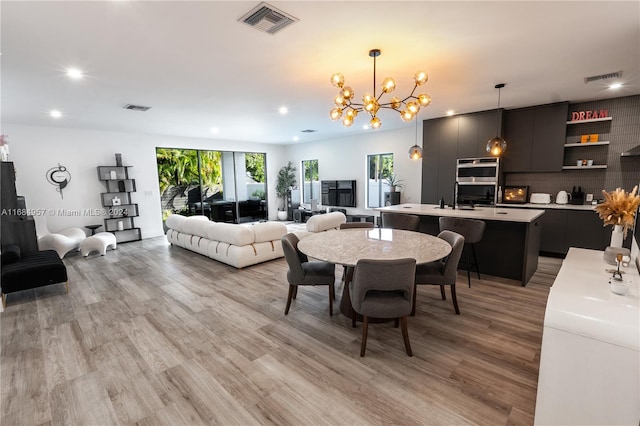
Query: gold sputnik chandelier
347, 110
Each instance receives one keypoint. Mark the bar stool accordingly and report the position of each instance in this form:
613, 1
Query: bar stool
472, 230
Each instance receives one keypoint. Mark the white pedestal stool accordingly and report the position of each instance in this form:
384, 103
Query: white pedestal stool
98, 242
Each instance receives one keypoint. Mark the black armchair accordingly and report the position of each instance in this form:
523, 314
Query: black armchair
23, 271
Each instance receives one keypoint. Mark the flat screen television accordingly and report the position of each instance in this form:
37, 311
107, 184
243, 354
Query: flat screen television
338, 193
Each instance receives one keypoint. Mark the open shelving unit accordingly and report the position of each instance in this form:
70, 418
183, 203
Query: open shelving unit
121, 211
573, 147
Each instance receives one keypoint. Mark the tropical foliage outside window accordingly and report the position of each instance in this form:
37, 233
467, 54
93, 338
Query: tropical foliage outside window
380, 168
310, 179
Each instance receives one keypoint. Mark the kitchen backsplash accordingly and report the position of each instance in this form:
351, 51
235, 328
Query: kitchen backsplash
623, 134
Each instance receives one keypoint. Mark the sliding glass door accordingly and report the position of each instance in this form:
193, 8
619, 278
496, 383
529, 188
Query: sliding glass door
224, 186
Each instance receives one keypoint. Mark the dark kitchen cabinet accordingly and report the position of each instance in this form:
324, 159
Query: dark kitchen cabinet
562, 229
447, 139
554, 231
585, 230
535, 138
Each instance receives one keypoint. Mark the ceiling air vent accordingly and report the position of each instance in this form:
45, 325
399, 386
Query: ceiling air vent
616, 74
137, 107
267, 18
308, 131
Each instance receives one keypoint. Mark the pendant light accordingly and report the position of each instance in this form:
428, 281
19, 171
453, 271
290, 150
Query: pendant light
415, 152
497, 146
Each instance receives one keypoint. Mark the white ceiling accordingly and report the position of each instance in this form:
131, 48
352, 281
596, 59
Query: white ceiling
198, 68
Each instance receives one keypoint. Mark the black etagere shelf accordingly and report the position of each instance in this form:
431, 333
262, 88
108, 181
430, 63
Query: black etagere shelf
117, 202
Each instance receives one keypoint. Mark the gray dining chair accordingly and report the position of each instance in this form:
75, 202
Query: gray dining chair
442, 272
407, 222
305, 272
357, 225
383, 289
472, 230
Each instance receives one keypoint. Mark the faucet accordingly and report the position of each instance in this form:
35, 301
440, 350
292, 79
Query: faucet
455, 195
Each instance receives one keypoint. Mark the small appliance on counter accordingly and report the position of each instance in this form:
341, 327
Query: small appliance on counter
515, 194
562, 197
539, 198
577, 197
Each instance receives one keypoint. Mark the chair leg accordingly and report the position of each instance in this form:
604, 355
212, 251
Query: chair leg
4, 300
292, 289
455, 299
396, 323
332, 296
365, 329
475, 259
469, 268
295, 291
413, 303
66, 283
405, 335
444, 296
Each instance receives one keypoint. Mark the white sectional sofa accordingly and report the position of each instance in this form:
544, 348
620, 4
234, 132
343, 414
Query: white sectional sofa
235, 245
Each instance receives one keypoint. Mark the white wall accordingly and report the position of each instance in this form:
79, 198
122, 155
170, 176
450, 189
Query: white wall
34, 150
346, 159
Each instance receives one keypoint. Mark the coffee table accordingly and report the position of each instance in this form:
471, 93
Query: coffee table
347, 246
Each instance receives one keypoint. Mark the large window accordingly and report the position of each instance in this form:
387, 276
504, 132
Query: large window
225, 186
311, 184
379, 168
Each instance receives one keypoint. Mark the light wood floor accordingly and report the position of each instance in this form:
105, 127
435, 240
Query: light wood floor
156, 335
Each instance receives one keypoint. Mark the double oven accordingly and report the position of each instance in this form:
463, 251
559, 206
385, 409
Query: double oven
477, 180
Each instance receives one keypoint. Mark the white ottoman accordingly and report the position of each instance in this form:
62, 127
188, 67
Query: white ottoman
98, 242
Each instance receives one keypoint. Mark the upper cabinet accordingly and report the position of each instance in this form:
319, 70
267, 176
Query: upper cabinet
447, 139
535, 138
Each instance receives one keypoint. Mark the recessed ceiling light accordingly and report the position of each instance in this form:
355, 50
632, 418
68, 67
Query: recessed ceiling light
283, 110
55, 113
295, 139
615, 86
365, 126
214, 130
74, 73
451, 112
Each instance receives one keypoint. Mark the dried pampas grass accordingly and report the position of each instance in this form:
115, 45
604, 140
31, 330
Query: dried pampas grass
619, 208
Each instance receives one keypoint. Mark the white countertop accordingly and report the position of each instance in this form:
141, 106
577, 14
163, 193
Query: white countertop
586, 207
581, 302
482, 213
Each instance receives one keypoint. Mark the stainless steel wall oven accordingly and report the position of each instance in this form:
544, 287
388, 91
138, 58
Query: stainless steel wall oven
477, 180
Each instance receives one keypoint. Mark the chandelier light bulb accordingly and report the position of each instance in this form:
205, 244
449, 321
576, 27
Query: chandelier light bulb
388, 85
406, 115
396, 103
413, 108
424, 99
337, 80
351, 113
335, 113
347, 121
339, 100
420, 78
375, 123
347, 92
367, 98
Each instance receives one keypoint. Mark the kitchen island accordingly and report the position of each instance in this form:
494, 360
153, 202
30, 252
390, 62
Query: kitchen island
511, 241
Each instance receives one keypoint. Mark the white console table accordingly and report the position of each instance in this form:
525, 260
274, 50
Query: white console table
590, 356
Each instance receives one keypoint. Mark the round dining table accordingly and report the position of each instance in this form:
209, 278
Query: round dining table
347, 246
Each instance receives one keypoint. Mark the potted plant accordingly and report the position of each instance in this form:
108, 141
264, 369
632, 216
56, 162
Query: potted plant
394, 182
284, 182
395, 185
